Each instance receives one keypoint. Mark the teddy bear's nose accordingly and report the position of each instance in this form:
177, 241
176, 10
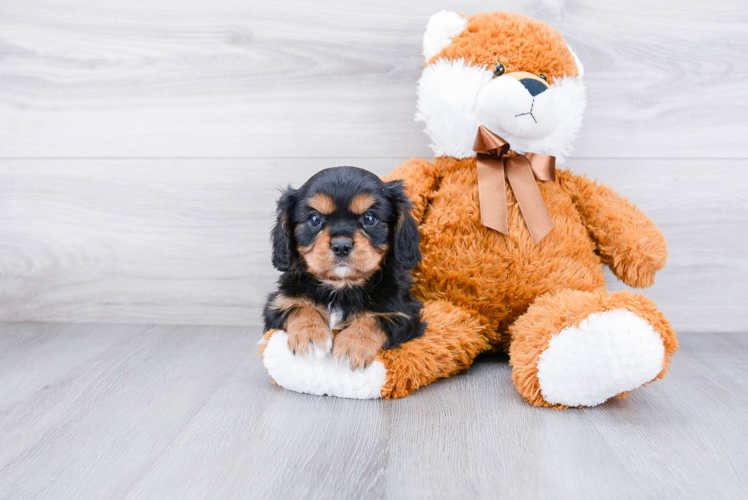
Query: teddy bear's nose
534, 87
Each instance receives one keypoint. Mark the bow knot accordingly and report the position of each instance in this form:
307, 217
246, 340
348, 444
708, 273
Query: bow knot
494, 162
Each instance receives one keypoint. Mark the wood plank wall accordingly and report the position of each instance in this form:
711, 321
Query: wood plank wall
142, 142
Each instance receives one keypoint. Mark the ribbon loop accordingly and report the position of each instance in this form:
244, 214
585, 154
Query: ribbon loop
495, 166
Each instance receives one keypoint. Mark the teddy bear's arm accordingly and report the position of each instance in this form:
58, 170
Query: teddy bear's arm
627, 240
421, 178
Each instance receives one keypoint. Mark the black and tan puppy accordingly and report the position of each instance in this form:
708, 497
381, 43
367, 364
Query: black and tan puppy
345, 242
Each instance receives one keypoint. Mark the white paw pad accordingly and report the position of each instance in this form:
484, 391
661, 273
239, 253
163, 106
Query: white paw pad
319, 373
608, 353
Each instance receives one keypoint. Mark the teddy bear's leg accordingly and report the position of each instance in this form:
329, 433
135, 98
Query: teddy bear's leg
575, 348
453, 338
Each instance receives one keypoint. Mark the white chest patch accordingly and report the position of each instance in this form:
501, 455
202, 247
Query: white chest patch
336, 316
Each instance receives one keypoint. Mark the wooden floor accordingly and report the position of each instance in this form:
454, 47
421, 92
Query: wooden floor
111, 411
141, 147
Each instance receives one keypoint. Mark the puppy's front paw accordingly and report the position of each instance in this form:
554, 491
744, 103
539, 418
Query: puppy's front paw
313, 339
360, 342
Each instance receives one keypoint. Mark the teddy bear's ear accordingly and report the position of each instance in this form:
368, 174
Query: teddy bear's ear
580, 68
441, 28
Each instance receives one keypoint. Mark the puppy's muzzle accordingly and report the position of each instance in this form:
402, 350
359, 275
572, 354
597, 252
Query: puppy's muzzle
341, 247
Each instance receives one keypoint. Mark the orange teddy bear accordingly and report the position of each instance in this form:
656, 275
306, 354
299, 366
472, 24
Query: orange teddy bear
512, 247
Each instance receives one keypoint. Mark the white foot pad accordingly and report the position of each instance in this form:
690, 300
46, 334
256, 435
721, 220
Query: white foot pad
609, 353
320, 375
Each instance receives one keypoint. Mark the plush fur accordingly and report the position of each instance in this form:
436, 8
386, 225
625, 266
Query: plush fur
551, 314
457, 91
544, 304
516, 295
454, 98
321, 375
441, 28
345, 242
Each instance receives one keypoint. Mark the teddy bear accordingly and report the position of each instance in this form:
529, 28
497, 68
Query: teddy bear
513, 243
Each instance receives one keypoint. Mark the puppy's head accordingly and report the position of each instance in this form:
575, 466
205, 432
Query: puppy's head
342, 224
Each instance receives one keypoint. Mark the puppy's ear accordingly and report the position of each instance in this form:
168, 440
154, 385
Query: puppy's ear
407, 239
283, 252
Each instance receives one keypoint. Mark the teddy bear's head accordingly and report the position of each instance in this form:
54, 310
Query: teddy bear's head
512, 74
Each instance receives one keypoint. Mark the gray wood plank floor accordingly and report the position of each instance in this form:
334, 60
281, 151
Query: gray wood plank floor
113, 411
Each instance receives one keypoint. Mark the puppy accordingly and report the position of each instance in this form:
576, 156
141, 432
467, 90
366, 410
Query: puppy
345, 242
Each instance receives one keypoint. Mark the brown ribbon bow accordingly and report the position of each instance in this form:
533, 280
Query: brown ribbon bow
493, 160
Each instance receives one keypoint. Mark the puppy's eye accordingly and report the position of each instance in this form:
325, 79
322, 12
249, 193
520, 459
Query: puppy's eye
370, 220
543, 77
315, 220
500, 70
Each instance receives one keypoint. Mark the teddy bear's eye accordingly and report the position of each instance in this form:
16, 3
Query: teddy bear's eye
543, 77
500, 70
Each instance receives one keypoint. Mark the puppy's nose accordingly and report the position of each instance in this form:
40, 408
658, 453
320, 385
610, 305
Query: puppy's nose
533, 86
342, 247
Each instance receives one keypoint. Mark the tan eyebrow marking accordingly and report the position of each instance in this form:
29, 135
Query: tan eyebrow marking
322, 203
361, 203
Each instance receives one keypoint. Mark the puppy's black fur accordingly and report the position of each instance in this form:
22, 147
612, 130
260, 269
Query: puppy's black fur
387, 290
